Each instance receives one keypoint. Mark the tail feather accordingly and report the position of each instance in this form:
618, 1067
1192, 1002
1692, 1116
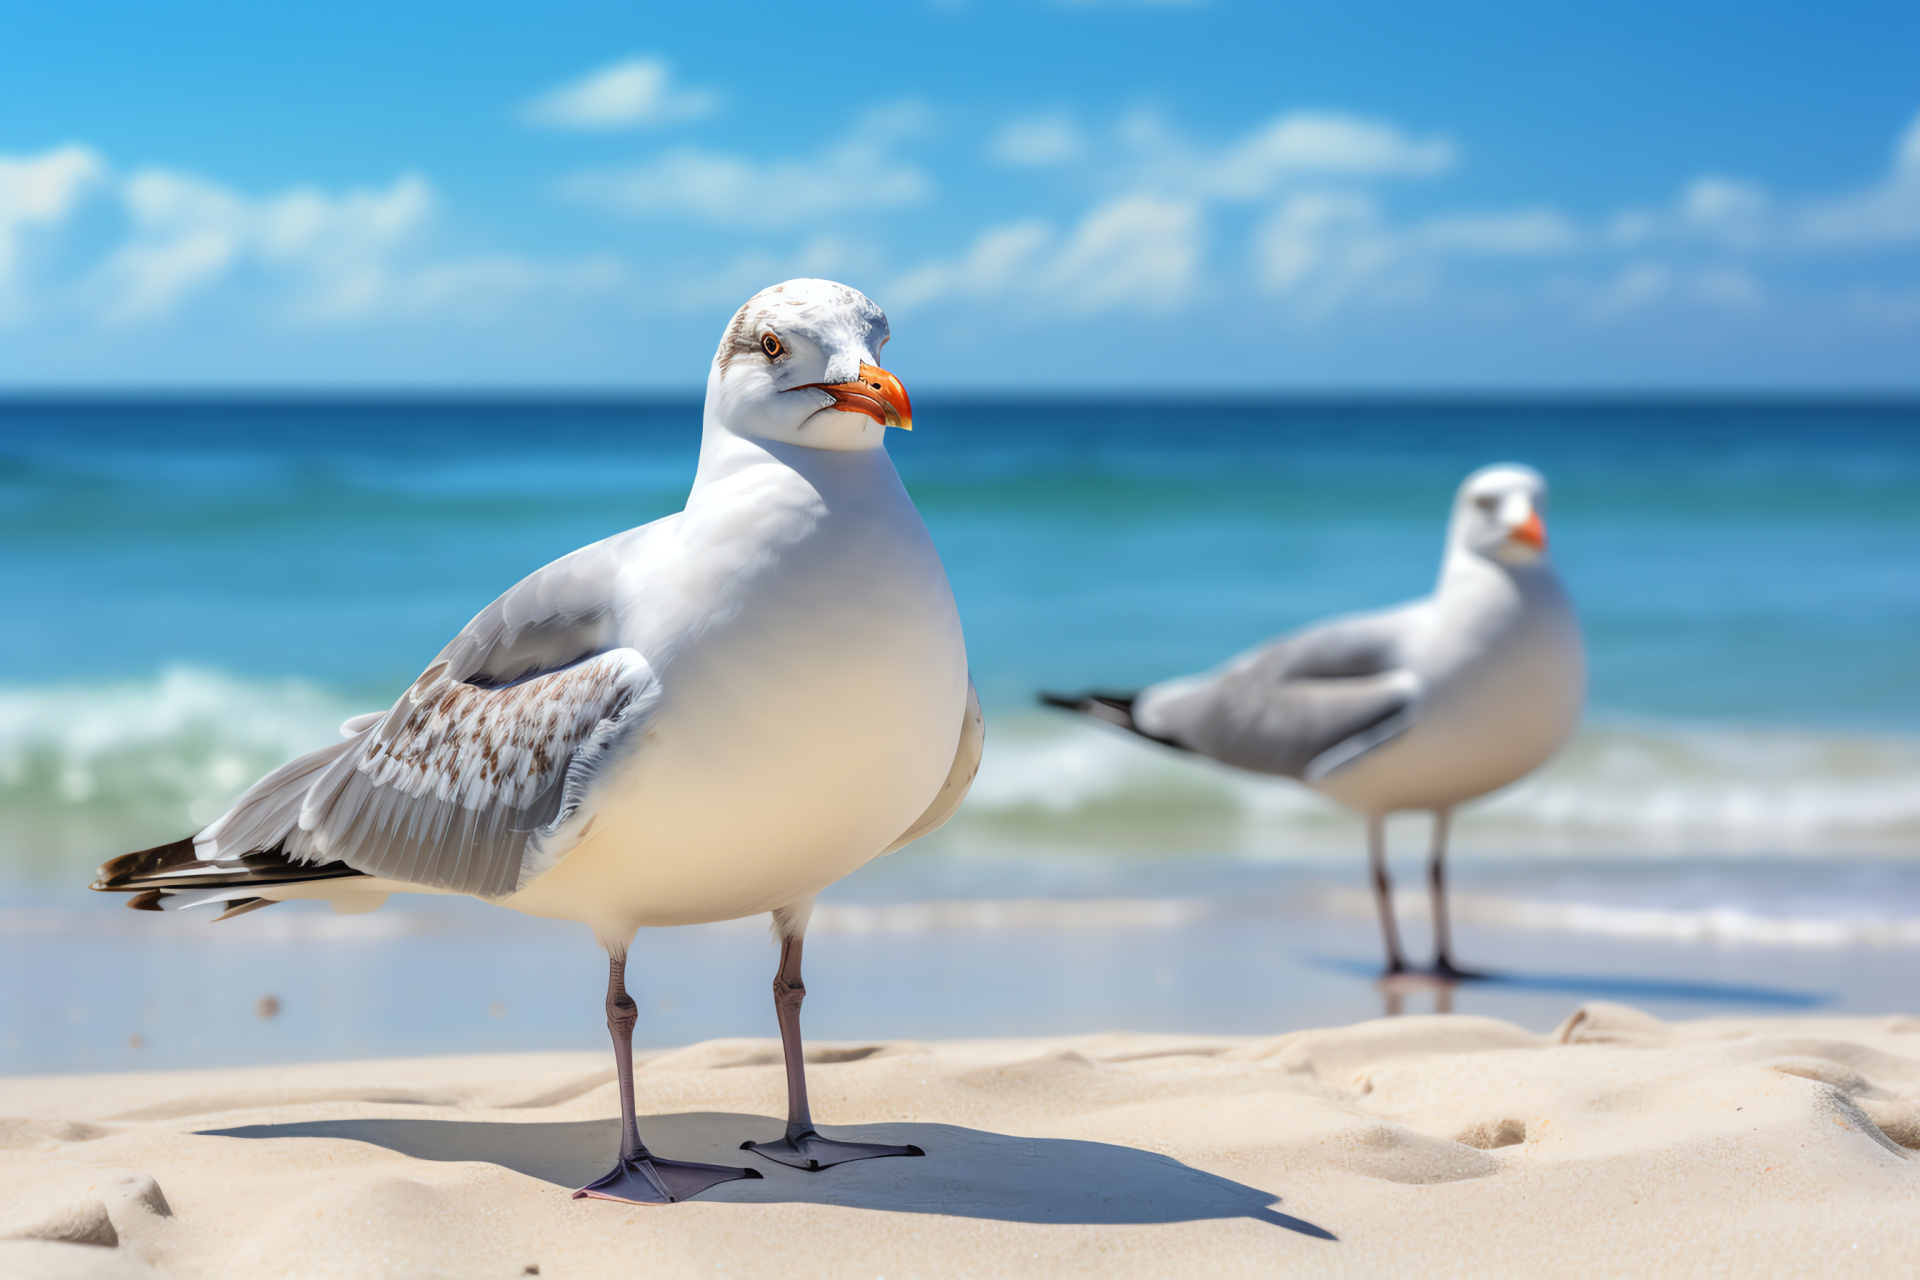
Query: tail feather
152, 876
1109, 708
1114, 708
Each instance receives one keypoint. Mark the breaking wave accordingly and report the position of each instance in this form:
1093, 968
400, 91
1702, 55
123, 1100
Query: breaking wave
87, 771
91, 770
1644, 788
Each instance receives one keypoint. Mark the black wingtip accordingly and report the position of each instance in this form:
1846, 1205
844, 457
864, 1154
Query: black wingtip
1114, 708
119, 873
1109, 708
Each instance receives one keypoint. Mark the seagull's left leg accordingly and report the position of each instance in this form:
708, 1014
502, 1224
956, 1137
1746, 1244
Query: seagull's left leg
803, 1147
642, 1177
1443, 965
1383, 892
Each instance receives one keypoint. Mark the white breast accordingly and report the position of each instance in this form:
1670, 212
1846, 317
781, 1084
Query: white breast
810, 712
1502, 672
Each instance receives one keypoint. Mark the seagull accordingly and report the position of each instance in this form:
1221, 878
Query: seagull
712, 716
1424, 706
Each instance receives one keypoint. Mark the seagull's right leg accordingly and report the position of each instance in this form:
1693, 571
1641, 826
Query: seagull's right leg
1383, 890
1443, 965
641, 1177
803, 1147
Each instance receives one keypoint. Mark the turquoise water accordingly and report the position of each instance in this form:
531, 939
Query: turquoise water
196, 590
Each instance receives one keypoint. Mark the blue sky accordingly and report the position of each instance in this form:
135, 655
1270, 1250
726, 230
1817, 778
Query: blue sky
1078, 196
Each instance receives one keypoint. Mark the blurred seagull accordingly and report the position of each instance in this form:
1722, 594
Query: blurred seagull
711, 716
1421, 707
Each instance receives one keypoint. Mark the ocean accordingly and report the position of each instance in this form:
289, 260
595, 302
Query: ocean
197, 589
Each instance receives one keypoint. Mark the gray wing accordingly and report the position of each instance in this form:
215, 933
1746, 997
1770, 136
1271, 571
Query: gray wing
966, 763
474, 781
550, 619
1302, 706
457, 787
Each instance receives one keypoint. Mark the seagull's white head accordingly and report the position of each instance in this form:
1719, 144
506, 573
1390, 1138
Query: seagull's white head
1500, 513
800, 365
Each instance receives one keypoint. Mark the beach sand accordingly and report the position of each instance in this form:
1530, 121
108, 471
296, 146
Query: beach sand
1616, 1145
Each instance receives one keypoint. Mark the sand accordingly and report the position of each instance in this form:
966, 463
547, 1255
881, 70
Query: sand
1616, 1145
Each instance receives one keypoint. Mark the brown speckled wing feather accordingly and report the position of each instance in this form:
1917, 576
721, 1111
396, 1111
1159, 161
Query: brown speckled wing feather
457, 787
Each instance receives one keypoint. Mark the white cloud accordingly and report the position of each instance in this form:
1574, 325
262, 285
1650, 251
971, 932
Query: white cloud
1320, 246
1000, 259
858, 173
636, 93
1730, 205
1296, 146
338, 249
1319, 143
1636, 285
324, 256
468, 288
1037, 142
1520, 233
1140, 252
41, 191
1741, 216
1713, 209
1642, 284
1887, 213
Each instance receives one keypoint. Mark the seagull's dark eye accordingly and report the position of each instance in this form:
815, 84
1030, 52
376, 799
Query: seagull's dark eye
772, 345
1486, 501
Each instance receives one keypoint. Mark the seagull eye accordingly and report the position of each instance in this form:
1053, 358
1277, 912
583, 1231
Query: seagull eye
1486, 501
772, 345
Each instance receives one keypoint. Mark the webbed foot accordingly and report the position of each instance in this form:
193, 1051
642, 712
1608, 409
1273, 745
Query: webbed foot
812, 1152
1446, 971
652, 1180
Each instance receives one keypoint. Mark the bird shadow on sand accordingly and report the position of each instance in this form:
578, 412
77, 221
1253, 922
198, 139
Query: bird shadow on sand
965, 1173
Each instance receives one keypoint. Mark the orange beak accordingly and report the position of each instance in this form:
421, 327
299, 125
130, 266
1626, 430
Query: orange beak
1533, 532
876, 393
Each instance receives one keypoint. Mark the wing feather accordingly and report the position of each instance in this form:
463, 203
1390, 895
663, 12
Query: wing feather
457, 787
959, 781
1302, 707
479, 778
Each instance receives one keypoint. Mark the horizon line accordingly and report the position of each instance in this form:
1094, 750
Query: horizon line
429, 394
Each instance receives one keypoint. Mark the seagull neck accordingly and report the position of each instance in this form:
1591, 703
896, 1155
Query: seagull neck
1467, 575
724, 453
1467, 572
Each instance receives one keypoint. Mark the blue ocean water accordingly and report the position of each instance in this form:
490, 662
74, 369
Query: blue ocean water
198, 589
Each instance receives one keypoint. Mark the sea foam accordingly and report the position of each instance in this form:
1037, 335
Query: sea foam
1636, 787
88, 770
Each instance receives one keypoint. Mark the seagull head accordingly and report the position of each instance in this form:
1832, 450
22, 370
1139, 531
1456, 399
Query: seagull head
1499, 513
799, 364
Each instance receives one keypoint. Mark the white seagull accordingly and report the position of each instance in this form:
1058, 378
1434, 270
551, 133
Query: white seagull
1421, 707
711, 716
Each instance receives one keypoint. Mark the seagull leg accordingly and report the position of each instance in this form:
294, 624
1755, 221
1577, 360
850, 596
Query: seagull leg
1383, 890
642, 1177
1443, 965
803, 1147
